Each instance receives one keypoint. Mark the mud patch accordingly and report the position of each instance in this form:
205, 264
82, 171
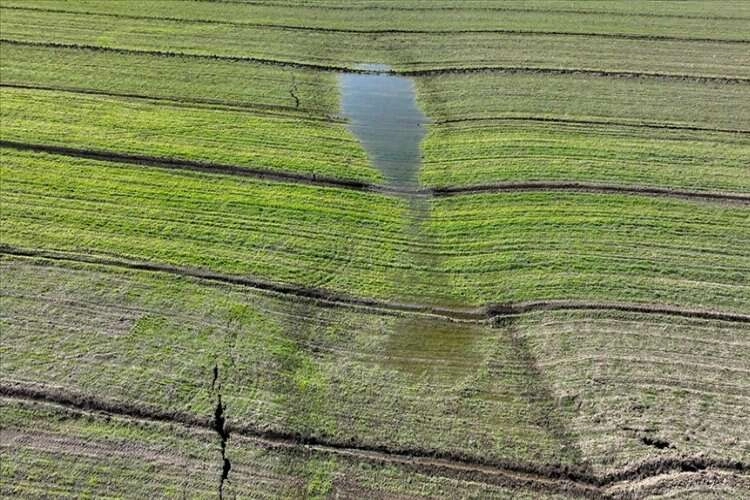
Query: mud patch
657, 443
433, 349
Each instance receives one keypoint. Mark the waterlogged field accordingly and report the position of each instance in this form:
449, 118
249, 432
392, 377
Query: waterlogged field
221, 278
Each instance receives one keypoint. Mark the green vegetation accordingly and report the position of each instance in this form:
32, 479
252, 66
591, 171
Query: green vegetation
284, 366
584, 97
125, 371
300, 34
544, 387
45, 451
486, 248
113, 124
482, 152
183, 79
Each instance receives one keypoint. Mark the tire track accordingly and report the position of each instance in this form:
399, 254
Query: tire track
362, 186
561, 478
411, 73
486, 314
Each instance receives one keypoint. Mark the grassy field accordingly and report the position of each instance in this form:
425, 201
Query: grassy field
46, 441
477, 249
212, 82
206, 134
487, 151
209, 289
542, 388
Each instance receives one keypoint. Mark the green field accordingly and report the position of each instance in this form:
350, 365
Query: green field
208, 288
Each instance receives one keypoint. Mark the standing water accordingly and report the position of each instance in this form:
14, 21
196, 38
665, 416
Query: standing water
383, 113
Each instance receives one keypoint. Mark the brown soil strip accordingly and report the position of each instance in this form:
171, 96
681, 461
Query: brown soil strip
389, 8
562, 478
329, 298
413, 73
334, 182
540, 119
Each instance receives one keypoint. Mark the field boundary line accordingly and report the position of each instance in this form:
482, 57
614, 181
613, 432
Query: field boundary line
363, 186
573, 121
400, 31
326, 6
202, 167
275, 110
564, 478
392, 8
484, 314
412, 73
585, 187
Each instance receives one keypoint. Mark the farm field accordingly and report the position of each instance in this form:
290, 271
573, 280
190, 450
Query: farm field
214, 285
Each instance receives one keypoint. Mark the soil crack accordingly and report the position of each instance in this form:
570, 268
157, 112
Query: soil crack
219, 424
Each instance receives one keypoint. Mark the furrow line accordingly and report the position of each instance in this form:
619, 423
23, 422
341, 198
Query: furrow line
537, 70
573, 121
485, 314
394, 7
203, 167
389, 8
413, 73
270, 109
563, 478
362, 186
587, 187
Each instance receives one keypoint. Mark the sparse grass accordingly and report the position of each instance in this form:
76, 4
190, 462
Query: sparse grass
334, 374
623, 377
593, 391
546, 387
47, 451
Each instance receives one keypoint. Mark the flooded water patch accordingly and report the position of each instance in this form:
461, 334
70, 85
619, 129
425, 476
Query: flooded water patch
383, 113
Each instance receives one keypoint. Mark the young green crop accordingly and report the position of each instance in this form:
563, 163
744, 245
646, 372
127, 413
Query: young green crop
469, 250
527, 39
466, 97
721, 20
184, 132
183, 79
485, 152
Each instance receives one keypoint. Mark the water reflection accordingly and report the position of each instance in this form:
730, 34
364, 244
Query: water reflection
383, 113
